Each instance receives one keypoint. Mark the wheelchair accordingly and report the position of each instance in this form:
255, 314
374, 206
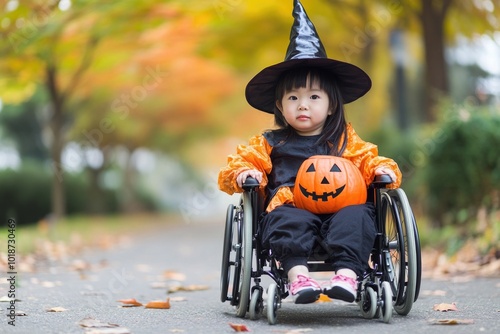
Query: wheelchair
390, 282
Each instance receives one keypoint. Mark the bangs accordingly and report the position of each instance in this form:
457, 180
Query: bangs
305, 78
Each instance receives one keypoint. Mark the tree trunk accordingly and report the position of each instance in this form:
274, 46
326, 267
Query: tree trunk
436, 71
56, 126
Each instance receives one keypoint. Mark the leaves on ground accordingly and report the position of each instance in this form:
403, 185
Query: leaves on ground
444, 307
451, 321
174, 275
94, 323
192, 287
239, 327
132, 302
159, 304
6, 299
116, 330
95, 326
56, 309
324, 299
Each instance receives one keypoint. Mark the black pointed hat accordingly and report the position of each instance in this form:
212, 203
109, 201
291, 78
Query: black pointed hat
305, 50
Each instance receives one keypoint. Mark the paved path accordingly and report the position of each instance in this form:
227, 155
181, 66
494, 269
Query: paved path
135, 269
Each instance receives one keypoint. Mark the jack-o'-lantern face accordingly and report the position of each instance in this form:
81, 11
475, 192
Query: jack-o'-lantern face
325, 184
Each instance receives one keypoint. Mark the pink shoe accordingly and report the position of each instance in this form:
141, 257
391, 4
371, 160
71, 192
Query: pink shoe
343, 288
304, 290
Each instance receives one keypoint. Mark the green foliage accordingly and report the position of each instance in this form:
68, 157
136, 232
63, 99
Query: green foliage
21, 124
25, 194
463, 170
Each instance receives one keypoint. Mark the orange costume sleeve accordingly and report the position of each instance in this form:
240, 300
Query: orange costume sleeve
365, 156
255, 155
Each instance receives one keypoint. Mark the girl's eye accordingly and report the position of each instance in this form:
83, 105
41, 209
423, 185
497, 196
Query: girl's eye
292, 97
314, 97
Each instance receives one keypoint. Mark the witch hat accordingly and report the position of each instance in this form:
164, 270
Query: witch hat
305, 50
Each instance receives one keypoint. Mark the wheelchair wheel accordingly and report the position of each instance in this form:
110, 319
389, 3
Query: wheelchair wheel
256, 304
246, 249
387, 302
273, 303
419, 259
400, 262
225, 274
368, 303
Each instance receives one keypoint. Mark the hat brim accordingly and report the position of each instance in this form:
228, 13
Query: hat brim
352, 81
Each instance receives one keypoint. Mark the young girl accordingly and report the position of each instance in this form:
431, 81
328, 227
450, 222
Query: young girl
307, 93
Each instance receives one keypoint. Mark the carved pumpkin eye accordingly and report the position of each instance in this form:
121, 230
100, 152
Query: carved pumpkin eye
325, 184
335, 168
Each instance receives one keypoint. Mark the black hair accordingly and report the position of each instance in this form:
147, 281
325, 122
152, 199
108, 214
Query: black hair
335, 128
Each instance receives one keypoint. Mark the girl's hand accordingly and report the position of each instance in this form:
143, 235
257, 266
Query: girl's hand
240, 179
386, 170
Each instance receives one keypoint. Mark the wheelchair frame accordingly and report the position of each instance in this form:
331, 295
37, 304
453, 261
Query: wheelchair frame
391, 281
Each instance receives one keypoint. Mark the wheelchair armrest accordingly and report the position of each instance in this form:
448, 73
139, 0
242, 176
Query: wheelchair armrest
250, 183
381, 181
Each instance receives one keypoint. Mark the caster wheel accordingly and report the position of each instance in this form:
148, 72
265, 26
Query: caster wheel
256, 304
369, 303
273, 303
387, 302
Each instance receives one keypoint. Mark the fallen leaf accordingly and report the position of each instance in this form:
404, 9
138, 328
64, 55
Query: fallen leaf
93, 323
174, 275
162, 304
323, 299
239, 327
451, 321
129, 302
7, 299
20, 314
116, 330
192, 287
178, 299
56, 309
444, 307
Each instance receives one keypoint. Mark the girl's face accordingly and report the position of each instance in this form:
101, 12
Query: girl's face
305, 109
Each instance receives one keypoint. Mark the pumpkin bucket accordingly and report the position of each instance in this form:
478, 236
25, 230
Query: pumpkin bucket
326, 184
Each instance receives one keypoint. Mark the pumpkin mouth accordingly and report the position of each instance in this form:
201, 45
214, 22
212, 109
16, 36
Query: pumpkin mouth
323, 197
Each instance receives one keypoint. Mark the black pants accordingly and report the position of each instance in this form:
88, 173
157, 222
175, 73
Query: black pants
349, 234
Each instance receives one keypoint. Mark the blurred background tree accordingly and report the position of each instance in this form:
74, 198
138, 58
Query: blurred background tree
142, 100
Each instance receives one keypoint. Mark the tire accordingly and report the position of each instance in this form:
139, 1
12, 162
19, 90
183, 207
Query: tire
407, 286
225, 274
245, 256
368, 303
256, 304
393, 254
273, 301
387, 302
419, 259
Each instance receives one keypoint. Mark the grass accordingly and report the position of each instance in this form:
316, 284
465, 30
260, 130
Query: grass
86, 229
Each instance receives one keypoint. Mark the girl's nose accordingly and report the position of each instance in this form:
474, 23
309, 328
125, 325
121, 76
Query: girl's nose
302, 105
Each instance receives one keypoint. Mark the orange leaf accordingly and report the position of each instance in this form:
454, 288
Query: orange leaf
451, 321
323, 299
129, 302
239, 327
159, 304
174, 275
443, 307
